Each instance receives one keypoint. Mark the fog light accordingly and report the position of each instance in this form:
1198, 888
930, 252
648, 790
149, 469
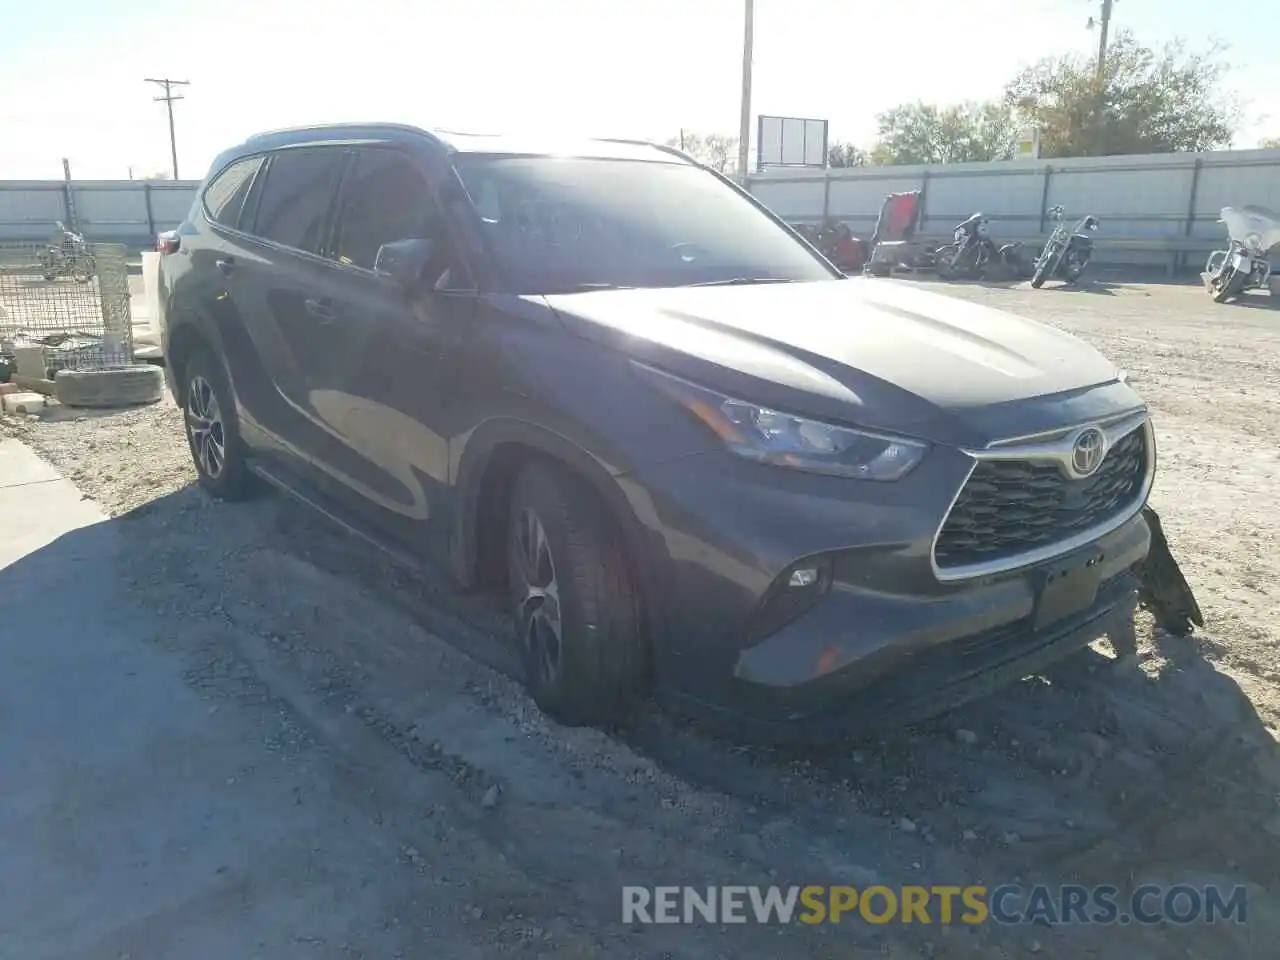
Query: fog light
803, 577
795, 590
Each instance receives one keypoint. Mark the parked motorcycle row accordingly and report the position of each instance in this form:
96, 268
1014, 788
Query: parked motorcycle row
972, 254
68, 256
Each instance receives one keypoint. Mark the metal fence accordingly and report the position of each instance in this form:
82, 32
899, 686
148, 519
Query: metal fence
76, 318
131, 212
1156, 209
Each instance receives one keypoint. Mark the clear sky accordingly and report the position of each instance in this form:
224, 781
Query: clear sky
71, 84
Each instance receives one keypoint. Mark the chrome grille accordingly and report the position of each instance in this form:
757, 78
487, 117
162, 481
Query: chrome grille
1009, 507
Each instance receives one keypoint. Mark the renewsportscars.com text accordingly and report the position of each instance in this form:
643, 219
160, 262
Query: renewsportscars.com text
973, 904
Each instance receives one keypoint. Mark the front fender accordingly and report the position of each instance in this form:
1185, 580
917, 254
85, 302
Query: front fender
501, 437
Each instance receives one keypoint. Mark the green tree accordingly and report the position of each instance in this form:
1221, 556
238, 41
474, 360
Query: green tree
846, 155
1148, 101
719, 151
1270, 143
925, 133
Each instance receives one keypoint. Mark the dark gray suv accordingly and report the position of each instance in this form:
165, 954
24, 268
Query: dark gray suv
695, 458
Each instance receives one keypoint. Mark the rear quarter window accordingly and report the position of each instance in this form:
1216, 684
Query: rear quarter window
225, 195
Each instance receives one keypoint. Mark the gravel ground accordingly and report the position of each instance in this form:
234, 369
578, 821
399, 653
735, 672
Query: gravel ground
1159, 768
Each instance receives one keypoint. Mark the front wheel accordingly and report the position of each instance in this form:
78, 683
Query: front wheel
945, 258
1232, 286
1044, 268
573, 601
1227, 284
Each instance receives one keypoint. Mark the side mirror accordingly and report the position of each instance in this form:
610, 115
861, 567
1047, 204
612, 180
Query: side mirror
405, 260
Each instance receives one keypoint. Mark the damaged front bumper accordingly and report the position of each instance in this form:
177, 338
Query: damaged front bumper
1163, 590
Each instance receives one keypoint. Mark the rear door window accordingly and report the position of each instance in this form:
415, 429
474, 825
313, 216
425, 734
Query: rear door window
294, 203
224, 197
385, 198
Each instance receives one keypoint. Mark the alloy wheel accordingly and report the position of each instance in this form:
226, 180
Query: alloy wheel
537, 593
205, 427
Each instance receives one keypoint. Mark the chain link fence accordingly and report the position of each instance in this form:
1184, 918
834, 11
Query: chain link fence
64, 308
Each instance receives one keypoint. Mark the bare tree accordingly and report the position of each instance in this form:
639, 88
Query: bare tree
719, 151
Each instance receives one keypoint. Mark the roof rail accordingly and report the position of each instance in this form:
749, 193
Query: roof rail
462, 133
367, 124
665, 148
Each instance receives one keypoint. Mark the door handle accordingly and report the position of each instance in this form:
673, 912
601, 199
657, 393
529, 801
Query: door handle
226, 265
321, 308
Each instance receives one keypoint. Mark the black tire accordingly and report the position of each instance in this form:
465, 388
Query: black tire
232, 480
125, 386
946, 261
1231, 286
600, 668
1044, 269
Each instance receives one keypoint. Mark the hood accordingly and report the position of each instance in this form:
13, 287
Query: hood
874, 352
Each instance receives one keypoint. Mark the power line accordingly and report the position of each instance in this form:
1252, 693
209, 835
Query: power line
168, 99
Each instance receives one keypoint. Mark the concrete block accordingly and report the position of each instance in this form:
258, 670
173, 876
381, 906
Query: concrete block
30, 361
36, 384
9, 388
23, 403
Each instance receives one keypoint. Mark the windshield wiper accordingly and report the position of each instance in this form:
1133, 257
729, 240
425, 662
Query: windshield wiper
738, 281
581, 287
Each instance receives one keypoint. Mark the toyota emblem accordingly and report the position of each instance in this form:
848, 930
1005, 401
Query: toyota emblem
1087, 452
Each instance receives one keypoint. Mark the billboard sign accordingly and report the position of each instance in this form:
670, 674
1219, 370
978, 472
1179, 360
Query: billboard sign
790, 142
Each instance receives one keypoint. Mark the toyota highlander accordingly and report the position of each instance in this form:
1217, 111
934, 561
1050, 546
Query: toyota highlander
694, 458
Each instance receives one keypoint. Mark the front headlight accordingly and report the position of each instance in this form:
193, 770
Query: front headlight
781, 439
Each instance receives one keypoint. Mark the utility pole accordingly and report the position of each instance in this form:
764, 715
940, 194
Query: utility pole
1103, 29
744, 125
1100, 78
168, 99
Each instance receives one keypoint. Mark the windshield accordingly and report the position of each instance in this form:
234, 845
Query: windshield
559, 225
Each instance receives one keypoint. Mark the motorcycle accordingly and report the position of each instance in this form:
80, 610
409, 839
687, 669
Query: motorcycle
69, 257
1254, 233
1067, 252
836, 242
972, 252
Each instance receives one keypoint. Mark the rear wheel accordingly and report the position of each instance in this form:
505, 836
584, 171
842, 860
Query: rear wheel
573, 601
213, 430
1072, 269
